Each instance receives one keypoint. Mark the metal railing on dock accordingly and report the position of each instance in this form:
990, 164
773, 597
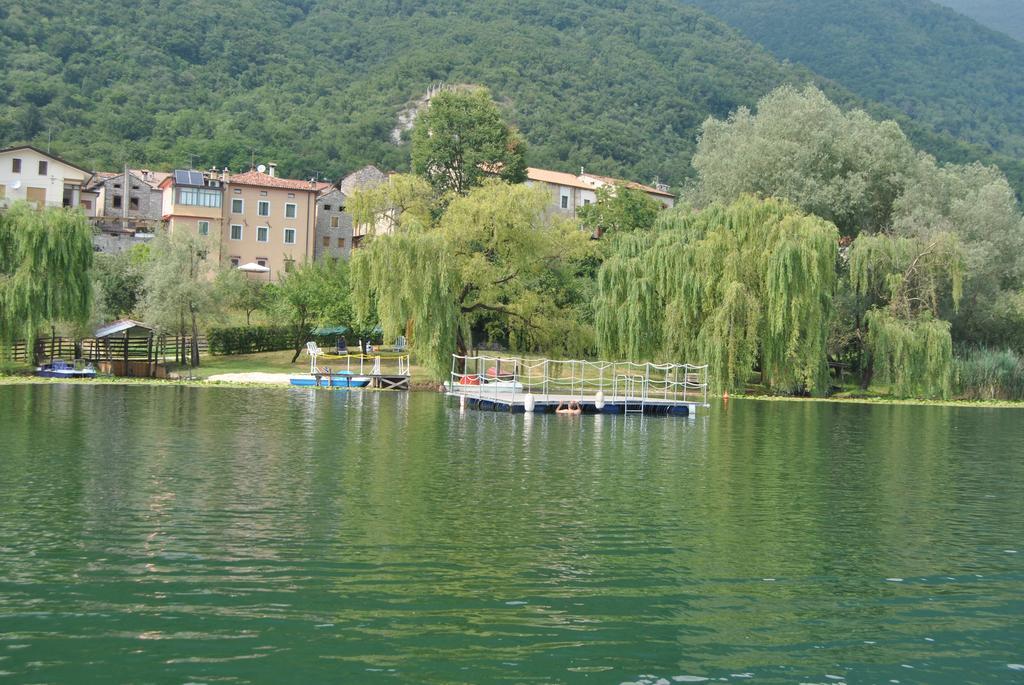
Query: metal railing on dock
633, 385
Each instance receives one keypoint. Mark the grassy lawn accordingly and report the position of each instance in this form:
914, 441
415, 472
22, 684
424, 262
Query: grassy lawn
267, 362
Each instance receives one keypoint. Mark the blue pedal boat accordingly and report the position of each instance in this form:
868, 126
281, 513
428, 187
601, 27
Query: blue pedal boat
339, 379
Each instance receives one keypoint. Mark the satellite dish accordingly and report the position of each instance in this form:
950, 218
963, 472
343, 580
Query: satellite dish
16, 185
261, 168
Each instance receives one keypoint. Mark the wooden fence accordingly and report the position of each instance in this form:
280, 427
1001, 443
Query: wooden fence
92, 349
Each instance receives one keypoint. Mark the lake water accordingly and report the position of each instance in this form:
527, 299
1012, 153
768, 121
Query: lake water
217, 535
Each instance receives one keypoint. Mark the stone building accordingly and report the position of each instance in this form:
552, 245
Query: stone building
336, 234
128, 206
333, 225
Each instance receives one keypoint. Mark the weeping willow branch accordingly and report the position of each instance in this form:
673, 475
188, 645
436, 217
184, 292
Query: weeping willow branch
45, 262
909, 346
728, 286
492, 260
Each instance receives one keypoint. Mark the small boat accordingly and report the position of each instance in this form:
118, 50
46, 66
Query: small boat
59, 368
338, 379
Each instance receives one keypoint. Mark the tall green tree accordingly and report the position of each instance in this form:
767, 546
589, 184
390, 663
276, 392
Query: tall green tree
733, 286
314, 294
842, 166
461, 138
239, 290
618, 210
119, 279
493, 259
46, 259
976, 204
178, 289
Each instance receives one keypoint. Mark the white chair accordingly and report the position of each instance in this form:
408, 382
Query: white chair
314, 351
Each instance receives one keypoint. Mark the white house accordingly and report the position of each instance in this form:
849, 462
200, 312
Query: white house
569, 192
28, 173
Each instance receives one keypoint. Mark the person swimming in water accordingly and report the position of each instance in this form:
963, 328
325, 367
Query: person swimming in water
573, 408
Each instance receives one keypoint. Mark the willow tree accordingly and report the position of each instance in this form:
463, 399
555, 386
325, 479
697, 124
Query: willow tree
493, 260
907, 279
45, 262
732, 286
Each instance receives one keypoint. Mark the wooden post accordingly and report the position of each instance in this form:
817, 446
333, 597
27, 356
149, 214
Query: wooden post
124, 353
150, 370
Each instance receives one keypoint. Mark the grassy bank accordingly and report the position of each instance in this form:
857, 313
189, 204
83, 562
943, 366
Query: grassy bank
883, 399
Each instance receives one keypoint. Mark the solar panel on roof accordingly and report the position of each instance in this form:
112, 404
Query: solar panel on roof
181, 177
195, 178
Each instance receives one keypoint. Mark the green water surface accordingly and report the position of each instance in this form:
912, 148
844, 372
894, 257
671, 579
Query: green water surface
218, 535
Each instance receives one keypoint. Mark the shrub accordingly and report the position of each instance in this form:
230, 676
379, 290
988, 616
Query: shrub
249, 339
986, 374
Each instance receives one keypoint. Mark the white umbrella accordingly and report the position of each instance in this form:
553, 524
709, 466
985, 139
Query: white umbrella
254, 268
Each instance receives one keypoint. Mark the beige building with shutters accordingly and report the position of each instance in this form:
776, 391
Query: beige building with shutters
269, 220
45, 180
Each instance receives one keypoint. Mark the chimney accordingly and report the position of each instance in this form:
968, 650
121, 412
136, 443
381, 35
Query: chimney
272, 168
224, 174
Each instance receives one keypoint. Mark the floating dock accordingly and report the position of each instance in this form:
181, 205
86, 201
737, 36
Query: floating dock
385, 373
514, 384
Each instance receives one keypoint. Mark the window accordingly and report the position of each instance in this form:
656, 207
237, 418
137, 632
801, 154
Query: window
327, 208
234, 261
16, 166
238, 191
291, 195
586, 202
42, 167
263, 193
289, 265
289, 236
117, 185
263, 208
117, 202
237, 205
86, 204
199, 197
341, 242
334, 222
263, 234
204, 228
327, 241
135, 187
262, 261
289, 210
133, 203
236, 231
565, 199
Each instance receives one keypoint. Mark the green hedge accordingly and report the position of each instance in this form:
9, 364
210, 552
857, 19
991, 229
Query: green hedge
249, 339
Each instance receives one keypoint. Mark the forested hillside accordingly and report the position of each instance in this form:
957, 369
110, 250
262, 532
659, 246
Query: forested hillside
317, 85
1002, 15
952, 76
